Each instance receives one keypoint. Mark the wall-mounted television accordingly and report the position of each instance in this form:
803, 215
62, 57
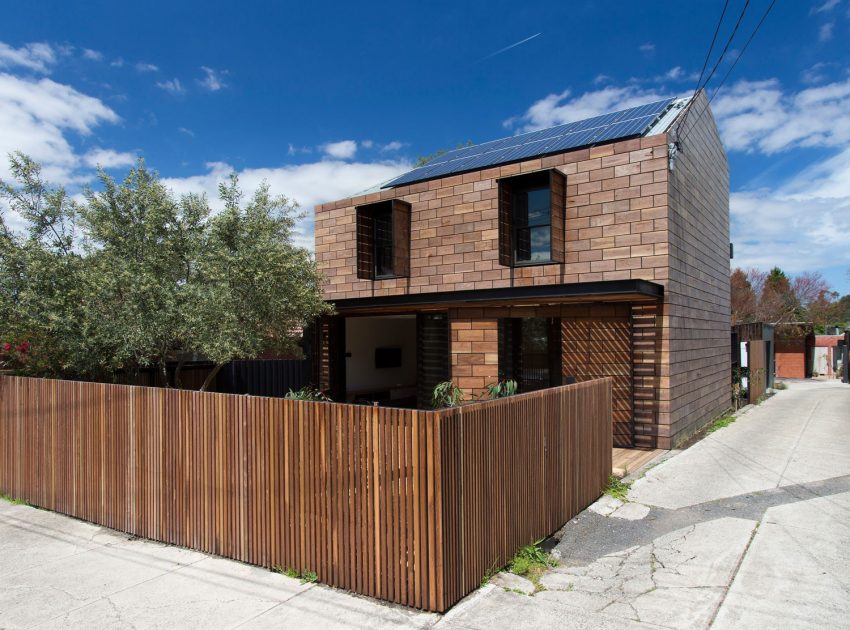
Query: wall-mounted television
387, 358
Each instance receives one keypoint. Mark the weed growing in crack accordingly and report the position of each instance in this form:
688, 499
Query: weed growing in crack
617, 488
531, 562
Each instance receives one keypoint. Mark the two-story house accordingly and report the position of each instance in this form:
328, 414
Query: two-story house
595, 248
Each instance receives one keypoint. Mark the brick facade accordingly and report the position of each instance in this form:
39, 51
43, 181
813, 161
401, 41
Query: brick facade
628, 216
616, 226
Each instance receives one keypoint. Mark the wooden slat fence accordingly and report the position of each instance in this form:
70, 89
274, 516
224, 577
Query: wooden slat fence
407, 506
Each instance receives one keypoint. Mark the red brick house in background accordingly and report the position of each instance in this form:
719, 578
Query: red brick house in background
596, 248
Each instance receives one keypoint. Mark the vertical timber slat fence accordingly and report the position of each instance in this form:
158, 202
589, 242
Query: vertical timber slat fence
408, 506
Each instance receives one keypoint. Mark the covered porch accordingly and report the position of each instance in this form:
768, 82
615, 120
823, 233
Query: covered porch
393, 350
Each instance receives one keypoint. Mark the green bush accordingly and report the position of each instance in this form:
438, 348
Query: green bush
307, 393
446, 394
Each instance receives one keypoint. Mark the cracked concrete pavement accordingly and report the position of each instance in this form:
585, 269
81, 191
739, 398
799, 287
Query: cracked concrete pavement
748, 528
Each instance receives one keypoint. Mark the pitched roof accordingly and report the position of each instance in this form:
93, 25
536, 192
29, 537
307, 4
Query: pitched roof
634, 122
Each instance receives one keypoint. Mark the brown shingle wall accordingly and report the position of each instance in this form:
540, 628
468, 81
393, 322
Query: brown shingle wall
616, 226
696, 314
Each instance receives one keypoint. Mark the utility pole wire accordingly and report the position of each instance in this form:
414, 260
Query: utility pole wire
729, 71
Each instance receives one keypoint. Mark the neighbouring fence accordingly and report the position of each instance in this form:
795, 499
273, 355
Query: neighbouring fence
408, 506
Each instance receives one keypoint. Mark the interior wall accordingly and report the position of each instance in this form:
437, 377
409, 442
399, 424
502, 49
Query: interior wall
362, 336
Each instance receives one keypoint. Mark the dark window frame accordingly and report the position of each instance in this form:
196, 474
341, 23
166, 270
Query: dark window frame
511, 228
512, 351
383, 240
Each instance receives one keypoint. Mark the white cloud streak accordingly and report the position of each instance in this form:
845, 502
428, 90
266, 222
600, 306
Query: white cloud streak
37, 56
344, 149
36, 116
213, 80
172, 85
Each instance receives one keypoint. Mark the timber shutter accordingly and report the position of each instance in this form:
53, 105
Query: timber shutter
365, 244
399, 219
432, 355
401, 238
506, 247
557, 211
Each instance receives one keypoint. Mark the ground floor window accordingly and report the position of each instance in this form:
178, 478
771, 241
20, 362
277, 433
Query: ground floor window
529, 352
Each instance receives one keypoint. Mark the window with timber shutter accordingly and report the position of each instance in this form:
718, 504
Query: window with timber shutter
531, 218
383, 240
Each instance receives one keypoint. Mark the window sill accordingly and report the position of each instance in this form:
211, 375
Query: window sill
536, 263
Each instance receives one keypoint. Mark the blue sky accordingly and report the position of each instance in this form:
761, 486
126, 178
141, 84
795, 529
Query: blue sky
326, 99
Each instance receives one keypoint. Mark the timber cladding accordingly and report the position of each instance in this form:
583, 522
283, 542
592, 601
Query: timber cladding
408, 506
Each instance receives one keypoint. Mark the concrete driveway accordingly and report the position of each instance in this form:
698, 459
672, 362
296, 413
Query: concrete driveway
749, 528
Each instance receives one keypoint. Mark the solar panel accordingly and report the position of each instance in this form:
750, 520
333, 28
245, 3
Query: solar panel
603, 128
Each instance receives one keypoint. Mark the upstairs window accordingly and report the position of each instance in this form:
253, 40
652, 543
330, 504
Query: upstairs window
383, 240
531, 218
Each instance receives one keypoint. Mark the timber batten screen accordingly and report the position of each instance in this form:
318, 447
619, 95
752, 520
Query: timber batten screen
408, 506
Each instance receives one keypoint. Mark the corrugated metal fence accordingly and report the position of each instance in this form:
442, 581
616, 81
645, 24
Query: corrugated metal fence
408, 506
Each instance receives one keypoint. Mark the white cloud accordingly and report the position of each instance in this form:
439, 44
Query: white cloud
36, 116
92, 55
395, 145
117, 63
367, 144
308, 184
36, 56
344, 149
213, 79
186, 131
800, 224
146, 67
557, 109
760, 116
108, 158
827, 6
171, 85
647, 49
825, 32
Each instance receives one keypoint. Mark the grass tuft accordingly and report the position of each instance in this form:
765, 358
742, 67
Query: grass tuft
10, 499
780, 385
531, 562
309, 577
617, 488
718, 424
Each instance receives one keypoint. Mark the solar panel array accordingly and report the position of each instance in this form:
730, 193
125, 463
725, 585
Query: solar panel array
616, 125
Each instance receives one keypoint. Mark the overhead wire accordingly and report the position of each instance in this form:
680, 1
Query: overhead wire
687, 132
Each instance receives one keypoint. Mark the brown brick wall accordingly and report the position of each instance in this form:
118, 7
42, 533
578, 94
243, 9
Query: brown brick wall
474, 344
696, 379
616, 226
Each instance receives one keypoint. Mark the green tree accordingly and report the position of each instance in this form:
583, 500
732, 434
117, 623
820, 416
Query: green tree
41, 273
141, 244
133, 276
255, 290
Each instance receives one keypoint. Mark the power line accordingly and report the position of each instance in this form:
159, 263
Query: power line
711, 48
707, 58
687, 132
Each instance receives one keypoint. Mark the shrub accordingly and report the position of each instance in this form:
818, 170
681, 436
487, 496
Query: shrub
307, 393
446, 394
502, 389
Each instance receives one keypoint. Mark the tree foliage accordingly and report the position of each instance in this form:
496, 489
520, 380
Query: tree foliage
777, 298
132, 276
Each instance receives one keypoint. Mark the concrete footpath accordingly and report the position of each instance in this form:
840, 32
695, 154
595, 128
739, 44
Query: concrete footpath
749, 528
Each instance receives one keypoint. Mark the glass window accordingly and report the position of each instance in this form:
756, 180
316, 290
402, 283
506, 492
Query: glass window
532, 225
384, 243
535, 353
